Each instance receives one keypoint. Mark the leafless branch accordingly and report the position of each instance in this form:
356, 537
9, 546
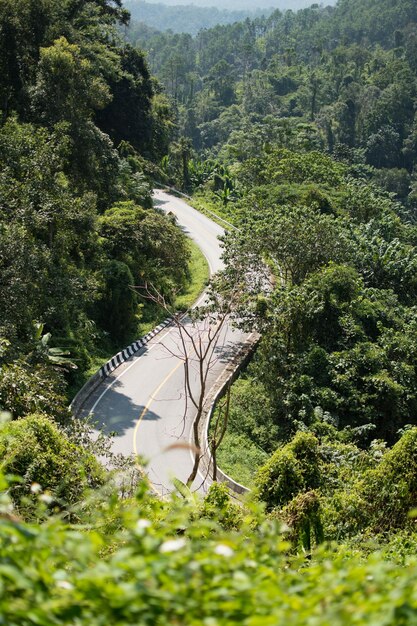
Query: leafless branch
197, 346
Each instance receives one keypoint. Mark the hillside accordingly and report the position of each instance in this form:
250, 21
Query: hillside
247, 5
347, 70
300, 129
76, 174
184, 18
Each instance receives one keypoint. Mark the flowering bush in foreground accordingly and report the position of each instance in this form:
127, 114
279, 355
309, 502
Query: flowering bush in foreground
151, 563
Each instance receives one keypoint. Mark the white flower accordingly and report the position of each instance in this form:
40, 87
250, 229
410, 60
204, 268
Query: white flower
172, 545
141, 524
223, 550
35, 488
64, 584
46, 498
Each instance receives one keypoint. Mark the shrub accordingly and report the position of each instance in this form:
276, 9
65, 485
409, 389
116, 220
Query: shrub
292, 469
35, 450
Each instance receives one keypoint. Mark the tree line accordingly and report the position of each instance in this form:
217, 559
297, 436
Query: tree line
347, 73
324, 263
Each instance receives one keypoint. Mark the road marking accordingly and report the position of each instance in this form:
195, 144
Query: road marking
149, 403
201, 299
151, 347
142, 415
152, 398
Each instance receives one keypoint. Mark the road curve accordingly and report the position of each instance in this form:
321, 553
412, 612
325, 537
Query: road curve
144, 401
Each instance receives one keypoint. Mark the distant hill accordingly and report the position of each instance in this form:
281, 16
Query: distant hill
246, 5
184, 17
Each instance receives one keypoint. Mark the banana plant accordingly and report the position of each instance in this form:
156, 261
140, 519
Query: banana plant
56, 355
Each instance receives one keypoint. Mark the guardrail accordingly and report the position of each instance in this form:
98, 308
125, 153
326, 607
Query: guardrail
222, 477
184, 195
113, 363
243, 358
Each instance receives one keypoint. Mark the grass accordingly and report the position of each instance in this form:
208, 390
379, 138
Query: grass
200, 274
152, 316
205, 203
240, 458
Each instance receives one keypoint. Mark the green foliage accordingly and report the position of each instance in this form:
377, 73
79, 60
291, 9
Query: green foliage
176, 165
344, 348
149, 243
307, 80
390, 489
218, 506
369, 497
35, 450
314, 116
240, 458
251, 413
358, 496
128, 117
77, 91
53, 573
66, 85
338, 321
47, 234
295, 468
28, 387
117, 306
303, 516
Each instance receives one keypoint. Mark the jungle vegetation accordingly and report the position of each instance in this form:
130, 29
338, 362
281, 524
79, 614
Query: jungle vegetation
301, 129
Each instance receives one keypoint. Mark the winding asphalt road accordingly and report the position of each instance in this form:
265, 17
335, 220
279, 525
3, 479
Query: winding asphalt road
144, 401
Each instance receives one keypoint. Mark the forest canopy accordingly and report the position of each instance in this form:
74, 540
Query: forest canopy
81, 121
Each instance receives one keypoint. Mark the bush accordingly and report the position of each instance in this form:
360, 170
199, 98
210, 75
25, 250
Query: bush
292, 469
32, 388
35, 450
218, 506
390, 490
55, 575
118, 305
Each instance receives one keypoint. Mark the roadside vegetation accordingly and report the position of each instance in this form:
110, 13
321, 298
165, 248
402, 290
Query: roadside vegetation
300, 129
149, 316
199, 276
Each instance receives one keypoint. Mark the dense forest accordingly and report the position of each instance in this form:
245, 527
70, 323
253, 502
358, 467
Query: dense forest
341, 79
301, 129
77, 227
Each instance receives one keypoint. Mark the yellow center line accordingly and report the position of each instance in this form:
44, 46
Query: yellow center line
149, 403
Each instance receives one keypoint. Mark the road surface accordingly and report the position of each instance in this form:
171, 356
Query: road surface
144, 400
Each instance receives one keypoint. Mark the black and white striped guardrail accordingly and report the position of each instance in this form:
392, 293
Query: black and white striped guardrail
95, 381
134, 347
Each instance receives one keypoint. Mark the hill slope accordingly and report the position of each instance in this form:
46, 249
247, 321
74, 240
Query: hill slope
239, 5
185, 18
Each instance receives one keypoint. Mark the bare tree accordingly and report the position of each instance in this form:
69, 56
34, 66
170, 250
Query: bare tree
219, 428
201, 335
